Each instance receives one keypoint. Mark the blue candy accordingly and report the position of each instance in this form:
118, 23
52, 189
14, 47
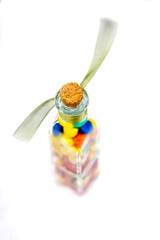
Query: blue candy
86, 128
57, 129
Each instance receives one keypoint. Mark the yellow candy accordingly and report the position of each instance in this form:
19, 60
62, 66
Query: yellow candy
96, 172
72, 154
58, 161
63, 123
52, 137
79, 151
67, 141
74, 149
93, 151
70, 132
56, 142
60, 179
55, 139
93, 123
64, 149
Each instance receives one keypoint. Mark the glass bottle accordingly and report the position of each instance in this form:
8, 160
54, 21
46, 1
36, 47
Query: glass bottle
74, 141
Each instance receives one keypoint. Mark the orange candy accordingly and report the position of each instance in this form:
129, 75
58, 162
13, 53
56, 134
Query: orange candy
79, 139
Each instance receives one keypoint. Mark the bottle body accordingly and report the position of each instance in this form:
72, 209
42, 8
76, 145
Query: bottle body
75, 152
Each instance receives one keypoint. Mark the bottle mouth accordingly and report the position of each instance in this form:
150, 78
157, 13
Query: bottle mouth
72, 114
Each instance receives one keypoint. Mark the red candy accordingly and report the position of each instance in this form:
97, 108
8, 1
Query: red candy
79, 139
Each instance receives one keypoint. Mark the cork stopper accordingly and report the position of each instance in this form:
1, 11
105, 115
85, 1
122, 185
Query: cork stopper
71, 94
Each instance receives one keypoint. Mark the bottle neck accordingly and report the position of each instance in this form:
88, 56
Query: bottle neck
72, 114
72, 118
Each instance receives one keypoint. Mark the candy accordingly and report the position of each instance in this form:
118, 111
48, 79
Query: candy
57, 129
80, 124
55, 141
86, 128
70, 132
72, 153
58, 161
93, 123
79, 139
75, 151
67, 141
96, 172
61, 179
64, 124
52, 138
93, 151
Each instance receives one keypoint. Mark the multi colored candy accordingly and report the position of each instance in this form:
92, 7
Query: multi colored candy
57, 129
86, 128
70, 132
76, 152
79, 139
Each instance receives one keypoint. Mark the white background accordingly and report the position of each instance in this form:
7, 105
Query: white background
43, 45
